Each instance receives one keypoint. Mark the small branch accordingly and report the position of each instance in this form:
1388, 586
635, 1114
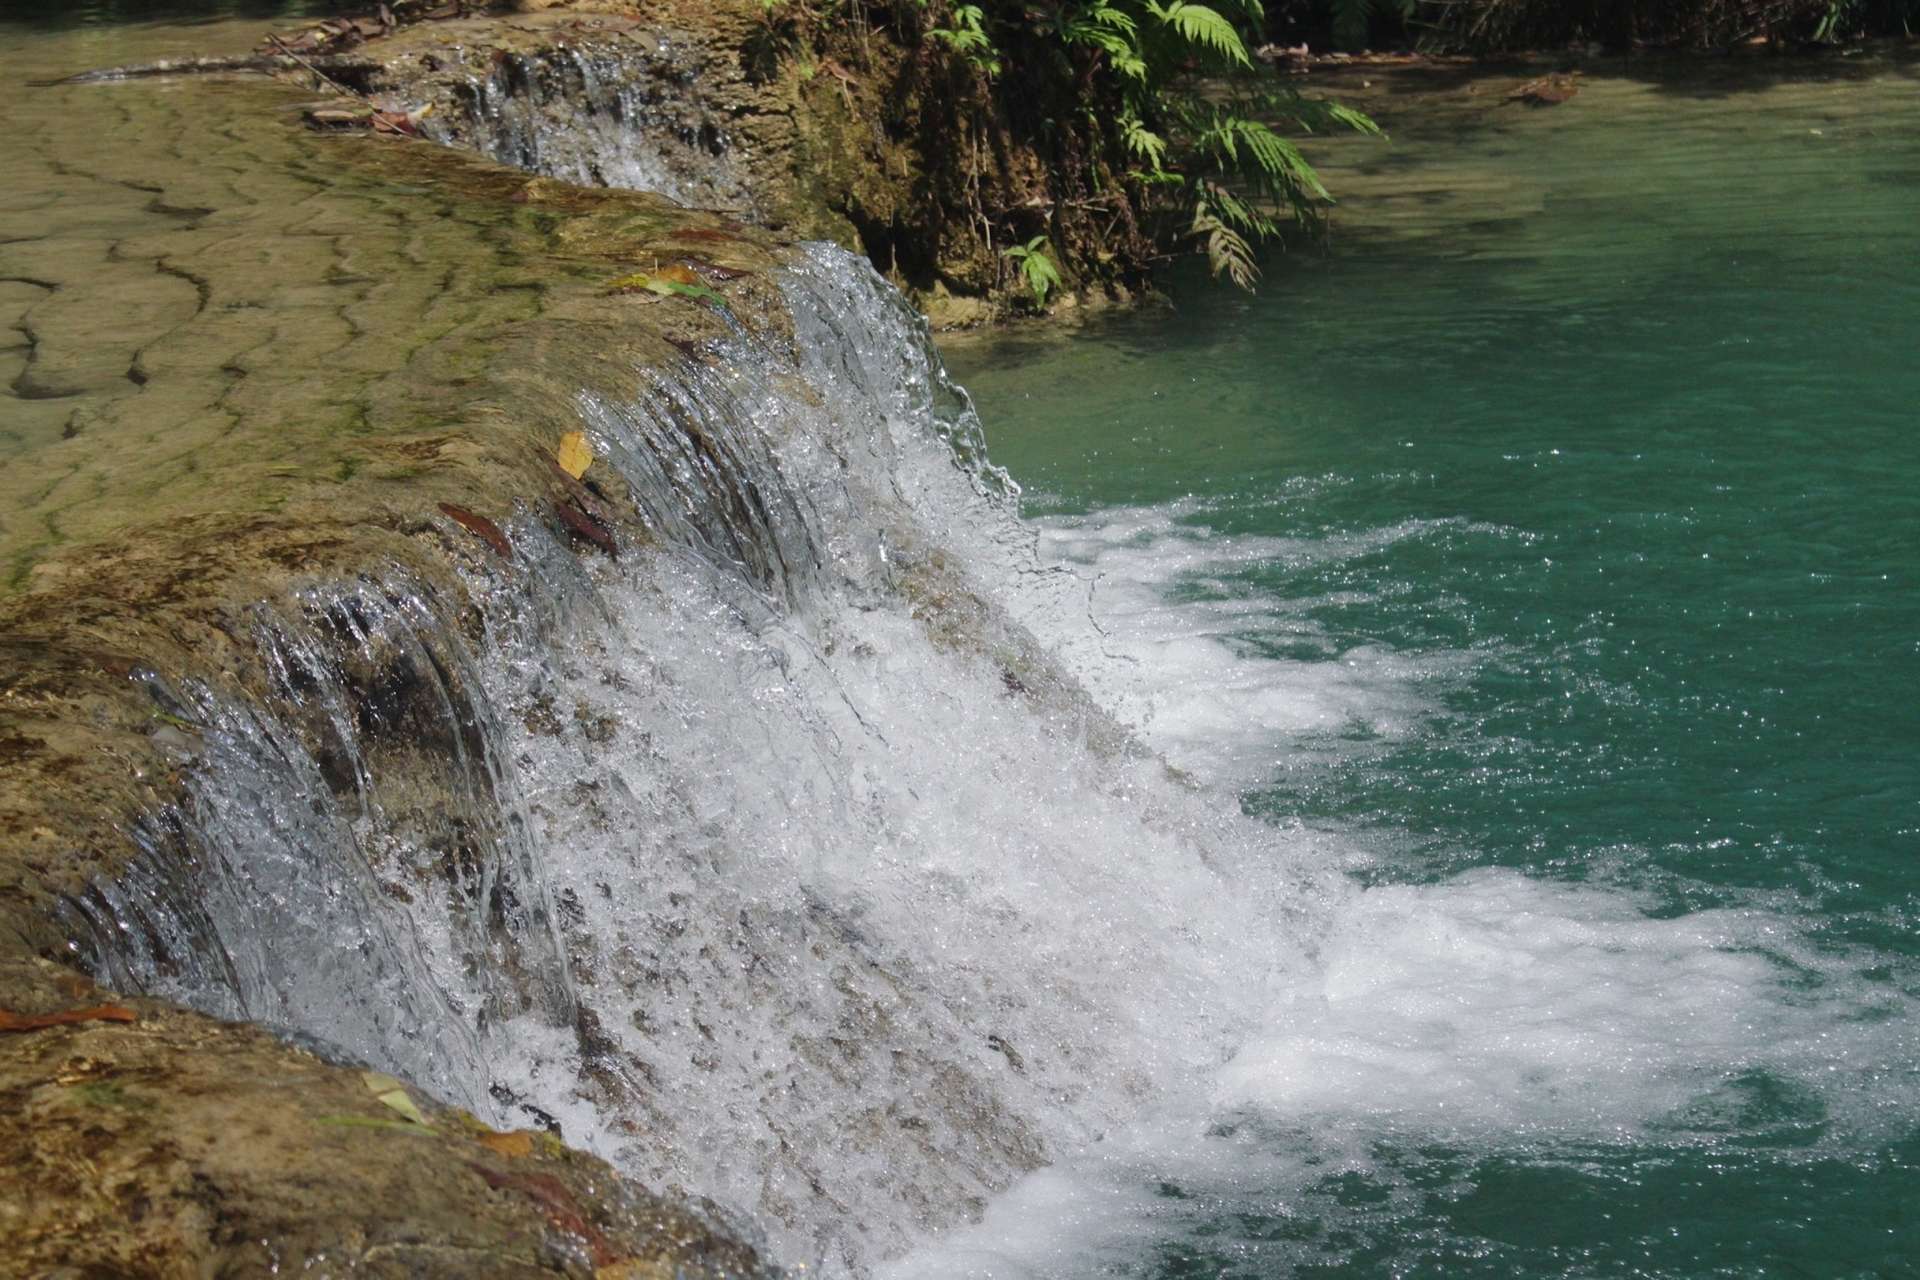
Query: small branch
320, 75
266, 63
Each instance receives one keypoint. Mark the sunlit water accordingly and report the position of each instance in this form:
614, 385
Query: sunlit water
1519, 594
1549, 550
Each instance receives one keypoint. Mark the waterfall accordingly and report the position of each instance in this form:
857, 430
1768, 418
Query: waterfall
786, 860
607, 115
774, 862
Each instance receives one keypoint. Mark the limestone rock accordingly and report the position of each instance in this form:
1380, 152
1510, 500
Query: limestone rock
177, 1145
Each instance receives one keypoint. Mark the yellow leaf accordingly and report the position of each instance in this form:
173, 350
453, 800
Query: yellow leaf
514, 1146
640, 280
392, 1094
574, 455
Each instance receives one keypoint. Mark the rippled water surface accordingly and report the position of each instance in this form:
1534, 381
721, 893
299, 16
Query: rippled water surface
1550, 548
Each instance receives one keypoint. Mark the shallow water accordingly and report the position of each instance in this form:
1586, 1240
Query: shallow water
1548, 549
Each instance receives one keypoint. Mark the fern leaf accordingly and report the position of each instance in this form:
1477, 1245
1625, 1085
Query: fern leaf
1227, 250
1199, 25
1144, 142
1279, 160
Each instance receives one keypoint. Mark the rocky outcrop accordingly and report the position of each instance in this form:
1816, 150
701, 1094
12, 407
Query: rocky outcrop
256, 361
883, 146
157, 1142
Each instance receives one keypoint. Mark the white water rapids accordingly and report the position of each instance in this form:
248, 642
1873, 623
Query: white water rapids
792, 866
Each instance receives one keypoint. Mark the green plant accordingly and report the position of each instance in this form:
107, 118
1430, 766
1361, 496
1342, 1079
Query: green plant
1036, 266
1183, 143
1150, 120
1186, 134
967, 36
1845, 18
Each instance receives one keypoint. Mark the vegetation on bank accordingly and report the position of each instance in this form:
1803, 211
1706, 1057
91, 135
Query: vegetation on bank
1074, 144
988, 152
1150, 127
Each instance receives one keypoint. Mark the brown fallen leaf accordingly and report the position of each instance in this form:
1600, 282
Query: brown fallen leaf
587, 496
574, 454
10, 1021
517, 1145
556, 1204
397, 122
480, 527
586, 528
677, 273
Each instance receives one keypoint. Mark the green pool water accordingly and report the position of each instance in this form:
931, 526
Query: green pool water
1571, 508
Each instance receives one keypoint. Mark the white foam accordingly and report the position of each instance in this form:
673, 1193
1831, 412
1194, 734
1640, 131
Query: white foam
1493, 1011
1159, 621
1497, 1006
1494, 1014
858, 927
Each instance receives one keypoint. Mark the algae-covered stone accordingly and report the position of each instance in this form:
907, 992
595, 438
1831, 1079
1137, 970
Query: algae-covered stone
176, 1145
263, 360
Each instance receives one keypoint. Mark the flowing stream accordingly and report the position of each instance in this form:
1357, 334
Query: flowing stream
1544, 558
1420, 783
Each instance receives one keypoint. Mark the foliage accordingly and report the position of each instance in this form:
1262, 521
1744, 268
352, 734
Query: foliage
1036, 265
967, 36
1188, 134
1151, 115
1845, 19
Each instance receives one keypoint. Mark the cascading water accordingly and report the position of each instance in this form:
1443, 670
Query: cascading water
781, 863
773, 864
599, 115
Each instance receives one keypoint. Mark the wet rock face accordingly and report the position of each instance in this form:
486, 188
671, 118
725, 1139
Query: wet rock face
714, 105
177, 1145
643, 104
325, 704
281, 358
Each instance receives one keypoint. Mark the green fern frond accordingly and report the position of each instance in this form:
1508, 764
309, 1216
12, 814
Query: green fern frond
1144, 142
1199, 25
1277, 158
1227, 250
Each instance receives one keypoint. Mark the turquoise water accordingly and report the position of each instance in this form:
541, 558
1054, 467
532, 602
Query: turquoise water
1566, 521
